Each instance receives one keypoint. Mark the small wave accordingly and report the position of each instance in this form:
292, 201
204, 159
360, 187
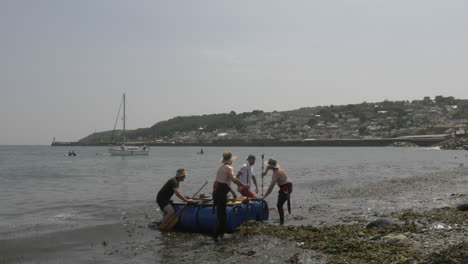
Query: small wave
63, 216
432, 148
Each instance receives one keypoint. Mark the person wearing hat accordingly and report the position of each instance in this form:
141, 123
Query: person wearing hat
246, 176
221, 187
281, 178
163, 199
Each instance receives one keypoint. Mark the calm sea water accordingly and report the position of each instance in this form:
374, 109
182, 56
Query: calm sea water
42, 190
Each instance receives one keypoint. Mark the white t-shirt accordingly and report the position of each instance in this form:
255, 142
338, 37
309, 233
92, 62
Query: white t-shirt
246, 174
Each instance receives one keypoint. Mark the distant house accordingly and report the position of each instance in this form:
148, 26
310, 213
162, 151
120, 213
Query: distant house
353, 120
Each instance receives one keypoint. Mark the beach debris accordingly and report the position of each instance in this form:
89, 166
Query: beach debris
297, 217
380, 222
446, 215
248, 253
463, 206
396, 240
294, 258
440, 226
452, 255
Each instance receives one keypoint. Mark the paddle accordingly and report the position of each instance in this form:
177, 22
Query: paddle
175, 218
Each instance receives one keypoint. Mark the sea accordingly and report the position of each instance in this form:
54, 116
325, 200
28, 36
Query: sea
94, 208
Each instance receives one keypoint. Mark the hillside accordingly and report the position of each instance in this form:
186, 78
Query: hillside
386, 119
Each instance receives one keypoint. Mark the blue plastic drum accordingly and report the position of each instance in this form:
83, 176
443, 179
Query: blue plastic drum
207, 219
261, 210
235, 217
250, 210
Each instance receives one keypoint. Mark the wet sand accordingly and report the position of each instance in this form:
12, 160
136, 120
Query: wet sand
128, 240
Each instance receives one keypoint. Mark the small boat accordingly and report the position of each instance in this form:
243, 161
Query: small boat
124, 150
202, 218
128, 151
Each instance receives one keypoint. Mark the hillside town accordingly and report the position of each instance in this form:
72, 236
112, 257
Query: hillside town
443, 116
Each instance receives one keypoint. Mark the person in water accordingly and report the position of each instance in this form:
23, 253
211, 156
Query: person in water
163, 199
246, 176
281, 178
221, 187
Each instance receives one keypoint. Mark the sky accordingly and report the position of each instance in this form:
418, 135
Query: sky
65, 64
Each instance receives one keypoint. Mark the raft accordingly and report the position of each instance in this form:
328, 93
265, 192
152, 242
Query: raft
201, 218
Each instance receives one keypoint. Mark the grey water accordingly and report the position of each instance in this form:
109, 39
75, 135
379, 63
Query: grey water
43, 191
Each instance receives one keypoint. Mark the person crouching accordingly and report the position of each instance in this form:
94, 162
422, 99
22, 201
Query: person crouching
163, 199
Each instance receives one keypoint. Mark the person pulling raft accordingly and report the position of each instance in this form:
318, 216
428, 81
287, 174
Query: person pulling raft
221, 187
163, 199
281, 178
246, 176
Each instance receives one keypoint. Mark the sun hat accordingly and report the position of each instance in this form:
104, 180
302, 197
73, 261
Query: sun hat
181, 172
271, 163
250, 157
228, 157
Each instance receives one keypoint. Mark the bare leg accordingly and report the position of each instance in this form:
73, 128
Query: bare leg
168, 212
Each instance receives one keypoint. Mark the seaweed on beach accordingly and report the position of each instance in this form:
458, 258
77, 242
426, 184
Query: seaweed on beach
453, 255
446, 215
344, 243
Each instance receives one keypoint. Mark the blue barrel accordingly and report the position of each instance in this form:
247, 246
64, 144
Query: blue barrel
235, 217
187, 218
207, 219
250, 210
204, 218
261, 210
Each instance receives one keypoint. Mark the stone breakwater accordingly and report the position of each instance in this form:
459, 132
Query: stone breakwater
454, 143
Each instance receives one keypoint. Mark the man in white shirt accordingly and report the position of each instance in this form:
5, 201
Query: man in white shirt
246, 176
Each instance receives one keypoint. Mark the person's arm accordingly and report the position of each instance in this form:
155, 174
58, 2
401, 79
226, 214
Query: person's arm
234, 195
179, 194
266, 171
255, 182
274, 179
235, 180
239, 173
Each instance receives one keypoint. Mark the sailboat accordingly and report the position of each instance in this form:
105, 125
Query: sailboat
124, 150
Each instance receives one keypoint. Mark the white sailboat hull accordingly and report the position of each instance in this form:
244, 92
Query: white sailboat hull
128, 151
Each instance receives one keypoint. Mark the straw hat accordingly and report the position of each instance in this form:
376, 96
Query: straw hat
228, 158
181, 172
271, 163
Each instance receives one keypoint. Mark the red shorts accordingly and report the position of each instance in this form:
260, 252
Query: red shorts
247, 192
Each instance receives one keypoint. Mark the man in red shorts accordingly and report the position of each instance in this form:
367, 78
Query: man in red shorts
246, 176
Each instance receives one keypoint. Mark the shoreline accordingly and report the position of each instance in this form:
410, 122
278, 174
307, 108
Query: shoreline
421, 142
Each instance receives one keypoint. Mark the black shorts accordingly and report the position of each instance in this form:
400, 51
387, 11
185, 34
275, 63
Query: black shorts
284, 193
162, 204
220, 192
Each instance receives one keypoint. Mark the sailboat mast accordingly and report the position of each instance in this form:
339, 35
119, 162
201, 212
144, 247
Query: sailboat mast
124, 114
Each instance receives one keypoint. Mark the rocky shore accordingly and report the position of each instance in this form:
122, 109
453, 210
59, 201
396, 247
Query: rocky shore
419, 219
438, 236
454, 143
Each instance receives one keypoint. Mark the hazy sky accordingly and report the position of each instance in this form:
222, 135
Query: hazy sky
65, 64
